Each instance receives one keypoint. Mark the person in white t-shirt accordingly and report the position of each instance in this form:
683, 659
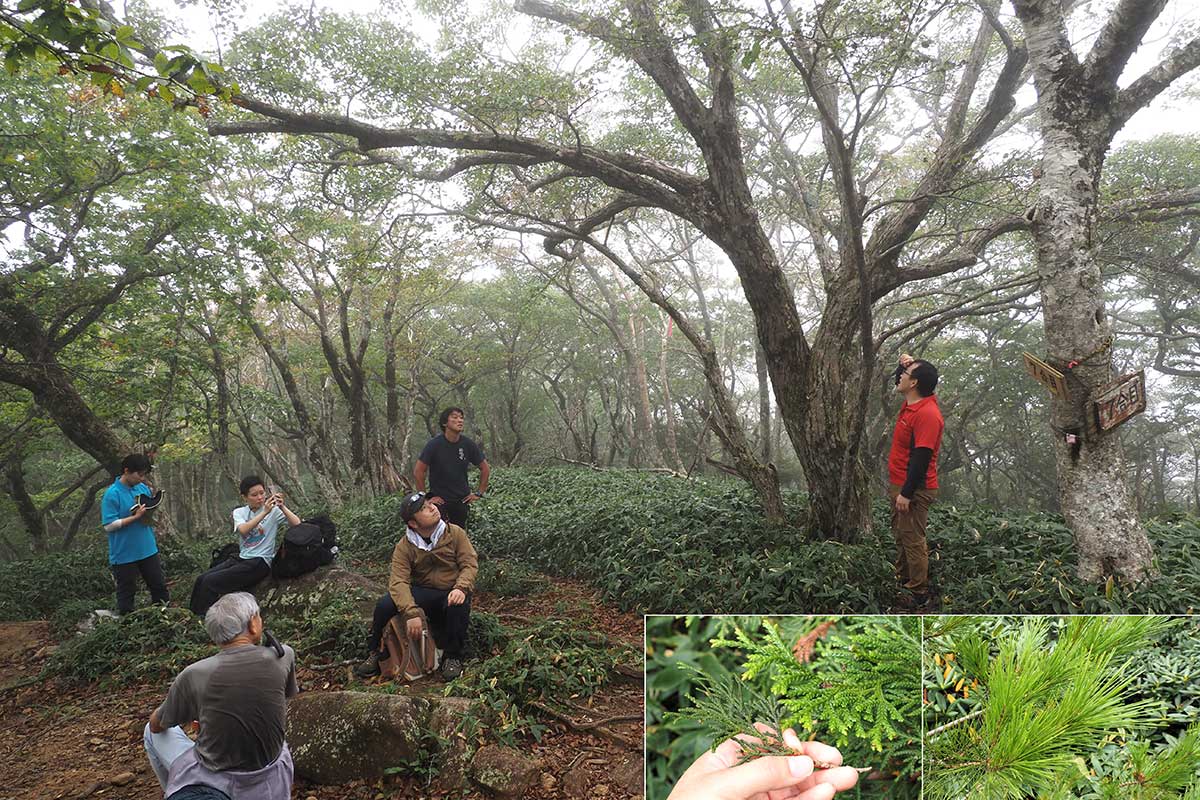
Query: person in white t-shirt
256, 525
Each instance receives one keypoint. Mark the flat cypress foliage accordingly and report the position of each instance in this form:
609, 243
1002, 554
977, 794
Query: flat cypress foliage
852, 682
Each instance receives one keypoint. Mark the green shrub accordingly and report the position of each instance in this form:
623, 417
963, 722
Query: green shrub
674, 741
329, 628
509, 578
151, 643
34, 587
67, 616
485, 635
368, 530
860, 691
1059, 708
542, 663
654, 542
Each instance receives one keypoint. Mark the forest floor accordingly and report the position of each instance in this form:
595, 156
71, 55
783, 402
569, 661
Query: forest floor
62, 742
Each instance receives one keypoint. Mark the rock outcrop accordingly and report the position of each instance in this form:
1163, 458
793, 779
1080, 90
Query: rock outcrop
505, 771
336, 737
291, 596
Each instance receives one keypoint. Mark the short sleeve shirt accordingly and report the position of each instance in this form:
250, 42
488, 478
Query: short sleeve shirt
135, 541
447, 462
260, 541
919, 424
239, 697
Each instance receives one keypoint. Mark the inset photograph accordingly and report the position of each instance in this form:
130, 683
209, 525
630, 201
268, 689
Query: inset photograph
783, 706
1062, 708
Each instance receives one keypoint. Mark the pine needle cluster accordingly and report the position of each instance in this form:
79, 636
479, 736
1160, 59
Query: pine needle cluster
1048, 703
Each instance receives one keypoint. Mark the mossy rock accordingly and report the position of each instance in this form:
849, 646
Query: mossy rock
336, 737
291, 596
505, 771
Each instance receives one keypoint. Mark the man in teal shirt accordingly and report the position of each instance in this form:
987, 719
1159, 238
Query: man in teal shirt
132, 549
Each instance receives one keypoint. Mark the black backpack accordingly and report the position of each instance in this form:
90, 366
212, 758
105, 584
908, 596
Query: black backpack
223, 554
304, 548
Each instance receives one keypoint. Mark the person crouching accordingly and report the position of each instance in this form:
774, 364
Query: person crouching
433, 569
239, 696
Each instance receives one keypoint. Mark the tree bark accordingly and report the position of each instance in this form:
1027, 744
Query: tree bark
27, 510
1080, 109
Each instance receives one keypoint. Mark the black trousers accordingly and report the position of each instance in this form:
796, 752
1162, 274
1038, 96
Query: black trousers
456, 512
447, 623
126, 577
232, 575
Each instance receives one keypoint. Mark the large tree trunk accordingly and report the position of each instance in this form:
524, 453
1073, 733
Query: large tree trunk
827, 421
1077, 124
1091, 473
764, 404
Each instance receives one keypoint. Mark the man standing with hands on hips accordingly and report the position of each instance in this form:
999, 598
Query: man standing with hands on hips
912, 475
444, 459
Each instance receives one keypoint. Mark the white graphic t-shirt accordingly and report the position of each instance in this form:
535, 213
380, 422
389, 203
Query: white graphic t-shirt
260, 541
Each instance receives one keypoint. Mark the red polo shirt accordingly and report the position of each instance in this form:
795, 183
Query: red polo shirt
919, 425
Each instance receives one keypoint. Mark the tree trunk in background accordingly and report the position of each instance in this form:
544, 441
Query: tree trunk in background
84, 512
34, 520
764, 403
664, 379
317, 447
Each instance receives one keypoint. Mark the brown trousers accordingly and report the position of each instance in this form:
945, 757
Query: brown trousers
912, 553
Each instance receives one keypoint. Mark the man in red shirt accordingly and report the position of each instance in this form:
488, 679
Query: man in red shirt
912, 473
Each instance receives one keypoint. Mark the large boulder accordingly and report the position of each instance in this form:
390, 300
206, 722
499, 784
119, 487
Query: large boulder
336, 737
293, 596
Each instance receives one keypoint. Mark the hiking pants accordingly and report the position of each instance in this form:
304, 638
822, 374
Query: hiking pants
455, 512
234, 574
912, 552
126, 577
447, 623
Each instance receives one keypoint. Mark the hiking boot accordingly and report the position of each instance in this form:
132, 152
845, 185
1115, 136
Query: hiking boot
368, 668
452, 668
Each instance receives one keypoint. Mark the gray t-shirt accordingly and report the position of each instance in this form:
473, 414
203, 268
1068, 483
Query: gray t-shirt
239, 696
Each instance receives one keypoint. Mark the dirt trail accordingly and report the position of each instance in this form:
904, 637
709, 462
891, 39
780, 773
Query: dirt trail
60, 743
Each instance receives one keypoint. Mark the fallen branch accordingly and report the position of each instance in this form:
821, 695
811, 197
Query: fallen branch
20, 683
953, 723
333, 665
659, 470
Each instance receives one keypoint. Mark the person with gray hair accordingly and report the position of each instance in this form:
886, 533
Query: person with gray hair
239, 698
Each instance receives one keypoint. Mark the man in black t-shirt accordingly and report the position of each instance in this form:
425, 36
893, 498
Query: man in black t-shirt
444, 459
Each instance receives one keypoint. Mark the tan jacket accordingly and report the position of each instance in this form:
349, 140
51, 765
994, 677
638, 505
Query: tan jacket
452, 564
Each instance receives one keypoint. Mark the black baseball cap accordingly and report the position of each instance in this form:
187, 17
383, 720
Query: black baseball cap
411, 505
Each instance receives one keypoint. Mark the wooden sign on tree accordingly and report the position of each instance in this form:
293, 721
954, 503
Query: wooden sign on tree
1120, 400
1045, 374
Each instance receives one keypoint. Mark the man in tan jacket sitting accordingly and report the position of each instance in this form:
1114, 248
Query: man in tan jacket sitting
433, 569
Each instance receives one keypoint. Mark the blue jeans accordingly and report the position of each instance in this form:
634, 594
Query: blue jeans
198, 791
